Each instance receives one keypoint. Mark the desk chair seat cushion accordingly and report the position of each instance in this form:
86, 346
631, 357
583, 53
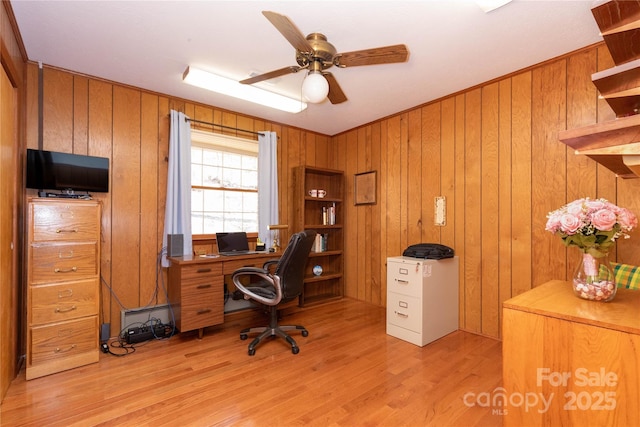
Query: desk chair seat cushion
263, 289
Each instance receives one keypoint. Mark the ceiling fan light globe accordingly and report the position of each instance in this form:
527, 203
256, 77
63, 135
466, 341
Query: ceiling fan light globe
315, 88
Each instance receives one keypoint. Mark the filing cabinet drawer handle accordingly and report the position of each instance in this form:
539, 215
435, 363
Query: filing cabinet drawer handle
203, 286
203, 270
66, 293
65, 255
69, 270
404, 282
64, 230
60, 350
401, 314
204, 311
65, 310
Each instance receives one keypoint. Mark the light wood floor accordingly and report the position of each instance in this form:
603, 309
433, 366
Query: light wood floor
348, 373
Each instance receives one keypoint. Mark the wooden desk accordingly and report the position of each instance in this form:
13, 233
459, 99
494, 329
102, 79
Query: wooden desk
582, 357
196, 287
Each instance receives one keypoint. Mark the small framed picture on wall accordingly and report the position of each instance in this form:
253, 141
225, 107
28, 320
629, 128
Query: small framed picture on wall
364, 188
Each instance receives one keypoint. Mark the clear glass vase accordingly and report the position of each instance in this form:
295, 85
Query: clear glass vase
594, 279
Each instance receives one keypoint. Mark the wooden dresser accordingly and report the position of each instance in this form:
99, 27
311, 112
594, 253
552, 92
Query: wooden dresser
63, 274
569, 361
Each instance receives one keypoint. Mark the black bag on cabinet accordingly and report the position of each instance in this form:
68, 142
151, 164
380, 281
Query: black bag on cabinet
428, 251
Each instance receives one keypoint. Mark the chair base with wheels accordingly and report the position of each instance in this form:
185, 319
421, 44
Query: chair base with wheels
275, 286
273, 330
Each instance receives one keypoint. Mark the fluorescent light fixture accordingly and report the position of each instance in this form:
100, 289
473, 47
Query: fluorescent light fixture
229, 87
489, 5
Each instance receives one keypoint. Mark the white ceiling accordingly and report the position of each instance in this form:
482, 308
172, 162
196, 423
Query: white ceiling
452, 45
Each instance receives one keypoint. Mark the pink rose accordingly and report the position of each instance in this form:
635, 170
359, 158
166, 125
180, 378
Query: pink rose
603, 219
570, 223
553, 223
576, 207
627, 219
596, 205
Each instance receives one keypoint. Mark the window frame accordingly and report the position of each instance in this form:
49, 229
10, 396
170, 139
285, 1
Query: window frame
229, 144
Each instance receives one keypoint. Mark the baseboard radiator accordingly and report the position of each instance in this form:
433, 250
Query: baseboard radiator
135, 317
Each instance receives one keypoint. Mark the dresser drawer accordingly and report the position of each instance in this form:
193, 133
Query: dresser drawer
63, 340
55, 262
64, 301
404, 311
405, 278
65, 221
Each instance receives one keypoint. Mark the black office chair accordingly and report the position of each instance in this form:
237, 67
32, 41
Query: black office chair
280, 286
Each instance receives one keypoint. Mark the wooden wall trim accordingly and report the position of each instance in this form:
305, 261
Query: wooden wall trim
11, 18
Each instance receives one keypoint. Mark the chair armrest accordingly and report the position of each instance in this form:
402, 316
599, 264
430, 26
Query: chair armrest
262, 273
268, 264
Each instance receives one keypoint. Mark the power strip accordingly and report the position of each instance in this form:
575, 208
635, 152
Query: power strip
146, 333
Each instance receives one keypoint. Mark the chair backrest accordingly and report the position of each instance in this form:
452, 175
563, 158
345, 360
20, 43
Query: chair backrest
292, 264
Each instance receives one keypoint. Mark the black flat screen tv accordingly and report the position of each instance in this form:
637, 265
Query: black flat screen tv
65, 172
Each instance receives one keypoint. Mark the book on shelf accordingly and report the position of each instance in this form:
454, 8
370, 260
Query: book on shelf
320, 244
329, 215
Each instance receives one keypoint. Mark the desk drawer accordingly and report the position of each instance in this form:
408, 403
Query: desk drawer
232, 265
201, 309
63, 261
63, 340
201, 271
202, 302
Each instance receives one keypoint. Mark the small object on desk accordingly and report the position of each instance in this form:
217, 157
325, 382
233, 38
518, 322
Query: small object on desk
275, 228
260, 246
209, 256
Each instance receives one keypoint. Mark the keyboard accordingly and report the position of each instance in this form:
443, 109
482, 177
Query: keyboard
235, 253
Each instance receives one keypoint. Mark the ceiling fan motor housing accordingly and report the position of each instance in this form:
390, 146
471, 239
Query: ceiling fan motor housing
323, 52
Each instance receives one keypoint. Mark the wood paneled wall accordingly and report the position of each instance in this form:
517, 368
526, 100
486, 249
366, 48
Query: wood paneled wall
493, 152
131, 126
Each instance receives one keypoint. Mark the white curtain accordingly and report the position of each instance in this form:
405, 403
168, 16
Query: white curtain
267, 185
177, 217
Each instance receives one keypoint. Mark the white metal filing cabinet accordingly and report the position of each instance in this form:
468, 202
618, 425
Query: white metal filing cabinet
422, 298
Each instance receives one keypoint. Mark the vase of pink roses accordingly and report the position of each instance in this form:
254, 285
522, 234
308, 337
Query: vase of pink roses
593, 226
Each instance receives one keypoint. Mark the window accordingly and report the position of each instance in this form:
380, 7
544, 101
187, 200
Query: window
224, 183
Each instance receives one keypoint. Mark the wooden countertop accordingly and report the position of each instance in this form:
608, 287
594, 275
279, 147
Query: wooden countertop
556, 299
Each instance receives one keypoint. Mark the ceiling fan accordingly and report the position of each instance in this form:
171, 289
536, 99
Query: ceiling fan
316, 54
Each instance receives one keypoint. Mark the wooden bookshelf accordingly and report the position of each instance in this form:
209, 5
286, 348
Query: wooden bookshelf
308, 215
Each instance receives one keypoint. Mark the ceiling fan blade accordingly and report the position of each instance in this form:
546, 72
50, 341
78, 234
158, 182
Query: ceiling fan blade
336, 95
378, 55
289, 31
271, 75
